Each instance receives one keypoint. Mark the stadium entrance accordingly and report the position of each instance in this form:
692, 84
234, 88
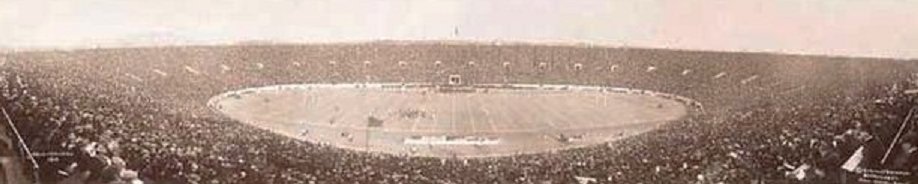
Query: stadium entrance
455, 80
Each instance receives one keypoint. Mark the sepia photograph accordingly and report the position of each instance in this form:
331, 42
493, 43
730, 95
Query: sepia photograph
458, 92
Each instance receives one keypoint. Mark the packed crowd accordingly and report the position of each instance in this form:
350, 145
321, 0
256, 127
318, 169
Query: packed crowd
767, 116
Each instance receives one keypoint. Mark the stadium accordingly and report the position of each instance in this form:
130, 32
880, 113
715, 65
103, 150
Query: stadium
443, 112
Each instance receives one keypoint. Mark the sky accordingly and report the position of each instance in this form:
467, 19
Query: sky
874, 28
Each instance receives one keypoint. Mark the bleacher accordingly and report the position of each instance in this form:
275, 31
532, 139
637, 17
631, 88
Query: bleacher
153, 101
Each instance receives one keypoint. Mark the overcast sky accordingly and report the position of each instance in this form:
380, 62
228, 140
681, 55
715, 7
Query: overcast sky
884, 28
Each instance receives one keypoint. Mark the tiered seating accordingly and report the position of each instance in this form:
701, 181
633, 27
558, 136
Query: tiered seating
766, 113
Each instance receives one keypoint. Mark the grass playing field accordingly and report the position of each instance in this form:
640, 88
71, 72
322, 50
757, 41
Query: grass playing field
424, 121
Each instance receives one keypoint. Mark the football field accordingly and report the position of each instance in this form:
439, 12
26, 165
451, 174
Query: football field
426, 121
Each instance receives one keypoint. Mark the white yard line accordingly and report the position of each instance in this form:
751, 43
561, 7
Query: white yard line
160, 72
192, 70
550, 122
536, 106
414, 122
490, 120
132, 76
452, 120
327, 108
520, 119
470, 110
361, 119
225, 68
404, 104
414, 125
589, 112
750, 79
574, 107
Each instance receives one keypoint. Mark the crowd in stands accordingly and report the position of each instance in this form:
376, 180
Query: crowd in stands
768, 117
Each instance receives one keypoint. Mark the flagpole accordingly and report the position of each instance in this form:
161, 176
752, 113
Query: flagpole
366, 134
896, 139
23, 147
366, 145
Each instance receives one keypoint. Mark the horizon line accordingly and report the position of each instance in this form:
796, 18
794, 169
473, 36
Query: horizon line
492, 42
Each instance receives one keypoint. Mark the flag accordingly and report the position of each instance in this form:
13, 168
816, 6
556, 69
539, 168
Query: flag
374, 122
584, 180
854, 161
